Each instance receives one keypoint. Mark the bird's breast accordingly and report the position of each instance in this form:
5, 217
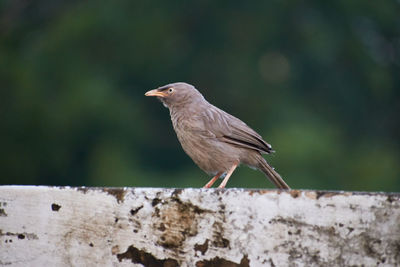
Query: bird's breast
203, 147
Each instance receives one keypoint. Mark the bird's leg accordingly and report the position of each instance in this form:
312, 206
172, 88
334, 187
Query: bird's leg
225, 181
212, 181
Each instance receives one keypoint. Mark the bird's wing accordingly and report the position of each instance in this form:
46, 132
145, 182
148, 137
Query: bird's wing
230, 129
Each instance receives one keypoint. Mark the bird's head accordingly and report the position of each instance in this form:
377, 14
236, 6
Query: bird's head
176, 94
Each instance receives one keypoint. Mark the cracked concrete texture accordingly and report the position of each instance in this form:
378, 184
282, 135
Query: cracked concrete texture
63, 226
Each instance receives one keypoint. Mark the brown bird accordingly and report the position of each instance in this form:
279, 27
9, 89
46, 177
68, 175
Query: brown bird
215, 140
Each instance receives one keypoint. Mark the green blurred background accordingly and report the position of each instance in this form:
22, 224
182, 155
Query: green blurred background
319, 80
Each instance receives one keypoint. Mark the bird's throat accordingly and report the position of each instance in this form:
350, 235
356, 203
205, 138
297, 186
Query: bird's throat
163, 101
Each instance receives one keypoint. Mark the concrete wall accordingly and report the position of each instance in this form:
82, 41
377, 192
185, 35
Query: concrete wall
62, 226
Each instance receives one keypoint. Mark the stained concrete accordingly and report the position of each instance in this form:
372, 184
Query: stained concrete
63, 226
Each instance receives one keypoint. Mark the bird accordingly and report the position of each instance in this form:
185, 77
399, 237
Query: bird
215, 140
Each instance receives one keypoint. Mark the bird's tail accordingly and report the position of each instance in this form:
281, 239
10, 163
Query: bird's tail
273, 176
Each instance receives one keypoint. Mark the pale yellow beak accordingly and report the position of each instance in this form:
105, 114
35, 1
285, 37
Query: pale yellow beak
155, 92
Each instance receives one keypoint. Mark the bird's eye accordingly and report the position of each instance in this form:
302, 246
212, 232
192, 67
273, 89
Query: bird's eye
170, 90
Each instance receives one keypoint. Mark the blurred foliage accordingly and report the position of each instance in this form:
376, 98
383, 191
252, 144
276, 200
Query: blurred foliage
319, 80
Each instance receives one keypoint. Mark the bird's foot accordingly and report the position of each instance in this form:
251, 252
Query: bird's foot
212, 181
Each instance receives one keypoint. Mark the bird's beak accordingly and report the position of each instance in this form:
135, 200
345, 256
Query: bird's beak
155, 92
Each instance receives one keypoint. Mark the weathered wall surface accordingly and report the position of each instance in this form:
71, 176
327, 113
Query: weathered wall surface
53, 226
